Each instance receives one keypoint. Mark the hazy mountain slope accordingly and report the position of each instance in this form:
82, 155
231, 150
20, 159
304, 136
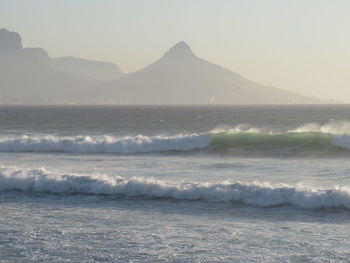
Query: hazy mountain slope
29, 81
180, 77
30, 76
88, 68
27, 76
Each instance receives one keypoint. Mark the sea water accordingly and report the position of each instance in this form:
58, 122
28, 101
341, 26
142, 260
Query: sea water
175, 184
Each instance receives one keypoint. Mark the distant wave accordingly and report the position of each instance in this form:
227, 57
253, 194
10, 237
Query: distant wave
106, 144
254, 194
294, 143
310, 138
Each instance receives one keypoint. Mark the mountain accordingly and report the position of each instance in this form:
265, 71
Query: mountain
30, 76
10, 41
88, 68
180, 77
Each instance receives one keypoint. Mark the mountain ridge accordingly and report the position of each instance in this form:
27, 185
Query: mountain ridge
27, 75
179, 76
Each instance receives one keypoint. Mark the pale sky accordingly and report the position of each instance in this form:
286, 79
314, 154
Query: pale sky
298, 45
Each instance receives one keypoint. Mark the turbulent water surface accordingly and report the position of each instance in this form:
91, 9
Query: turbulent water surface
175, 184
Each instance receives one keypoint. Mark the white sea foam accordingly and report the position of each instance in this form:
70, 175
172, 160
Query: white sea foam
241, 128
106, 144
255, 193
335, 127
338, 132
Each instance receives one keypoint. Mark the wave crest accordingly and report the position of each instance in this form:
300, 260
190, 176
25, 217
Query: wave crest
106, 144
309, 138
255, 194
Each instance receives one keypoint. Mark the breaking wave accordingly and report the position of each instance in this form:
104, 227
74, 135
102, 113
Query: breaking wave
311, 137
106, 144
254, 194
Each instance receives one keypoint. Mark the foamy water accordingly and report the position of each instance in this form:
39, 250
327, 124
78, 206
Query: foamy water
331, 135
160, 184
255, 193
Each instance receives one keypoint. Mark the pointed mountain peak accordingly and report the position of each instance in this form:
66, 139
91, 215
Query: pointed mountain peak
180, 51
182, 45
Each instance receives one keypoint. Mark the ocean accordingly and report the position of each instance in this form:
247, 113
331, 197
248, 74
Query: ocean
175, 184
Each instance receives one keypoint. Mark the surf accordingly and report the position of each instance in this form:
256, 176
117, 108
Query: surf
106, 144
258, 194
329, 139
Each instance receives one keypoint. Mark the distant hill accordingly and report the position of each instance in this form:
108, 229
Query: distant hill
180, 77
30, 76
88, 68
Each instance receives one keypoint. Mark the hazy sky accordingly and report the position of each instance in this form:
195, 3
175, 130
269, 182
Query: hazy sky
298, 45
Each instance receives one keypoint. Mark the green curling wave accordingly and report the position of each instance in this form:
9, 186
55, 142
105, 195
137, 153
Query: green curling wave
305, 140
